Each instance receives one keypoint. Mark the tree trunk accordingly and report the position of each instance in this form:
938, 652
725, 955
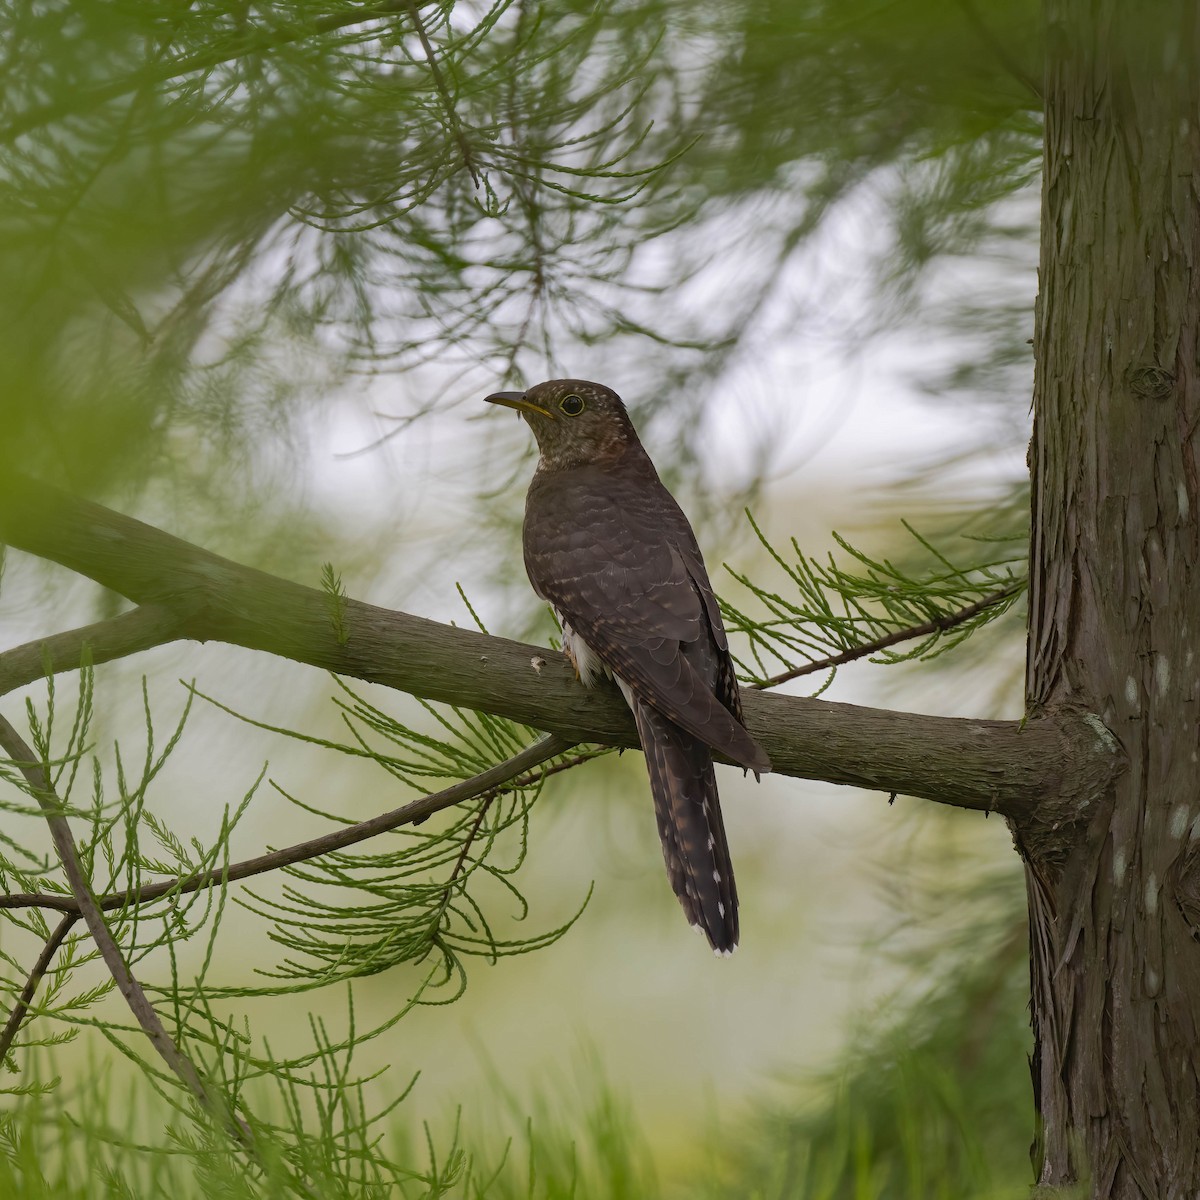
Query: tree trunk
1115, 599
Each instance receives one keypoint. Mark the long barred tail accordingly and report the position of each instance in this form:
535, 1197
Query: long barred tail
689, 824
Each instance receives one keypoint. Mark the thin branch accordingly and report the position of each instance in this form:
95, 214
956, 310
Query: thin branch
448, 105
462, 858
43, 792
36, 974
416, 811
937, 625
131, 632
1049, 764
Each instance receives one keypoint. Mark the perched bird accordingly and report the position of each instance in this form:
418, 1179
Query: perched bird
608, 547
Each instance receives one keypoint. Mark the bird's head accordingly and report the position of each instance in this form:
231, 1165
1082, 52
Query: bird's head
574, 421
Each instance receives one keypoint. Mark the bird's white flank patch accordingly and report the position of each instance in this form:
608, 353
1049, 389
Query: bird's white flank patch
587, 662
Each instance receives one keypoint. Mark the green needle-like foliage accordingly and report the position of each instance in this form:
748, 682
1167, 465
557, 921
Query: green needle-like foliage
893, 611
428, 898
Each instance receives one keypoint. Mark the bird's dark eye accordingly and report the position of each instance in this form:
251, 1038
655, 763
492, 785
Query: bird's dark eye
572, 405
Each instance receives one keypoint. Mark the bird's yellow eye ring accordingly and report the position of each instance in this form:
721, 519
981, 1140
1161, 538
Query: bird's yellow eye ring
572, 405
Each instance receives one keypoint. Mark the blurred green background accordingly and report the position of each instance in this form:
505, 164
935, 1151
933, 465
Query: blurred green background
263, 261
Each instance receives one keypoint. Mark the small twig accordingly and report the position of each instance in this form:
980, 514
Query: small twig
462, 858
439, 81
937, 625
567, 764
17, 1017
415, 811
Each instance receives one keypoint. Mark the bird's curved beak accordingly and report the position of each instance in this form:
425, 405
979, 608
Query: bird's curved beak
517, 400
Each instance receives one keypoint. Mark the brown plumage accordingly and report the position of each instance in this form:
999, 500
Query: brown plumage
608, 547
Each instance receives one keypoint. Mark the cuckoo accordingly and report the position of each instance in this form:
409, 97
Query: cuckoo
608, 547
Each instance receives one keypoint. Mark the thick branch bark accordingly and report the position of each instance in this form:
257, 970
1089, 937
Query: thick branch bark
1048, 767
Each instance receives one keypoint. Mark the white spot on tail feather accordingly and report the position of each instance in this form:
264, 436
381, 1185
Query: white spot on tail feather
1151, 894
716, 877
1131, 692
720, 908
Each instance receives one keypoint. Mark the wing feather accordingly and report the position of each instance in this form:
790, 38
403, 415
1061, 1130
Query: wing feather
616, 556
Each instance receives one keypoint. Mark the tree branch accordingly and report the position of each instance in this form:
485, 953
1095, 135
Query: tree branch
85, 902
908, 634
36, 974
145, 627
413, 813
1010, 767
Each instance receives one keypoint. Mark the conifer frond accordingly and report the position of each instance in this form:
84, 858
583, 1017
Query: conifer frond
431, 894
890, 611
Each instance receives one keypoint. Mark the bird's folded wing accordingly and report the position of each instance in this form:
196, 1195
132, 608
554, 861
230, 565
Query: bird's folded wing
619, 561
641, 619
661, 675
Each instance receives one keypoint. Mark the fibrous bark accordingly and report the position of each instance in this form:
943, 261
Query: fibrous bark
1115, 598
